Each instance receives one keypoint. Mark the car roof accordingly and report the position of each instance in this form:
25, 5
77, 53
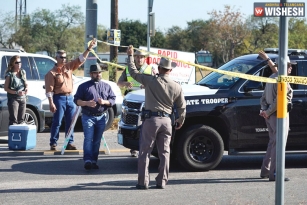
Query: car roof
2, 53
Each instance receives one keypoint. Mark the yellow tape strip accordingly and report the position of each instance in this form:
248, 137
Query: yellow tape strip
282, 78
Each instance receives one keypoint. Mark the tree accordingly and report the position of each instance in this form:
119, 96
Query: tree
297, 33
177, 39
263, 33
7, 28
135, 33
229, 30
48, 31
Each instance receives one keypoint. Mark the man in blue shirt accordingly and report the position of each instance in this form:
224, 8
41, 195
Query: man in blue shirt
95, 97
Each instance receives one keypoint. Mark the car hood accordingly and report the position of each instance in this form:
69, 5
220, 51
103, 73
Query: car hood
188, 90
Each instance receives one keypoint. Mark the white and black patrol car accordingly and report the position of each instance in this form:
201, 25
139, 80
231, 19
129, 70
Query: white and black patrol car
223, 114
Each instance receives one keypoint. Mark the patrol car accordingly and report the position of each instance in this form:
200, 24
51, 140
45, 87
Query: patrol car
37, 111
223, 114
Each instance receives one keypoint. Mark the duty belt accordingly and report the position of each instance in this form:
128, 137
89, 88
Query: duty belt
160, 114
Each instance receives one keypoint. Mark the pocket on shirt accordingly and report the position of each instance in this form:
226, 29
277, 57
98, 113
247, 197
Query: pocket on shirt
59, 79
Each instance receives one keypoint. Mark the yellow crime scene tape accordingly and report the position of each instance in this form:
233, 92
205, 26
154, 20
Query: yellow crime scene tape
281, 78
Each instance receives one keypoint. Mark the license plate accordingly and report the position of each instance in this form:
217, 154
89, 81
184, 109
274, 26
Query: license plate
120, 139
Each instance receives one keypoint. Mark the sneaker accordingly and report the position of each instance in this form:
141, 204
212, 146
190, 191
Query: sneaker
144, 187
88, 165
53, 147
134, 153
95, 166
71, 147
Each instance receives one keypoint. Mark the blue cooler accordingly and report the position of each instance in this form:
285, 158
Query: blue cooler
22, 137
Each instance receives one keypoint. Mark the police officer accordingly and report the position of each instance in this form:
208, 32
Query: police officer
161, 93
268, 103
125, 80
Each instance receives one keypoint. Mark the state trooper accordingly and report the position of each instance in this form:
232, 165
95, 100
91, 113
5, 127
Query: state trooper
268, 102
125, 80
161, 93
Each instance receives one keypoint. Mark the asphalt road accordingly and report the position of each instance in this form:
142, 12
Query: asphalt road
41, 178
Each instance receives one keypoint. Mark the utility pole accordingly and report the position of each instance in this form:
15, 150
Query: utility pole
20, 11
90, 33
114, 25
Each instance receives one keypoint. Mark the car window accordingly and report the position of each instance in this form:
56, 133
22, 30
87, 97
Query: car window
26, 66
299, 70
217, 80
43, 66
35, 74
3, 67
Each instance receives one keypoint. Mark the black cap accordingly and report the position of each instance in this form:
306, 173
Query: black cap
95, 68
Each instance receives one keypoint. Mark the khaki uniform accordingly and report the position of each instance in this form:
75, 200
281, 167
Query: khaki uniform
161, 93
268, 102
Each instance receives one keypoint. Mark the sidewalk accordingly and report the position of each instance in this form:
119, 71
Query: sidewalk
42, 145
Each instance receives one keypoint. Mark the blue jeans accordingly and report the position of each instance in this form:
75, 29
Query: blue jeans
93, 127
65, 107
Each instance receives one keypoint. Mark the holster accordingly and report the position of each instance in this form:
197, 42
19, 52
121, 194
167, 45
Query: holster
145, 114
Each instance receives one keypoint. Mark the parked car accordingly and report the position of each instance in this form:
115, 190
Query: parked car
36, 67
223, 115
34, 116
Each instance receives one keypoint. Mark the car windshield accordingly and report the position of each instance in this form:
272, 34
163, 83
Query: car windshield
204, 59
216, 80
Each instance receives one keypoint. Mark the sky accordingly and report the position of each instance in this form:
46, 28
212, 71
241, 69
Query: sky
168, 13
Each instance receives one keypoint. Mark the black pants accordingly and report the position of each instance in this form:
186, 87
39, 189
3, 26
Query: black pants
17, 110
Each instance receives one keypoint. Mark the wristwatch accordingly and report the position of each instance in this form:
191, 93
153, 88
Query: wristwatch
268, 59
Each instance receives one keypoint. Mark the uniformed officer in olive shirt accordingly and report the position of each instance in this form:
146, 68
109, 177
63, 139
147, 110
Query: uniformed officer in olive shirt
161, 93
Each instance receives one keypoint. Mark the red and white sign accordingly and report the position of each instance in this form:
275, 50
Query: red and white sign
183, 73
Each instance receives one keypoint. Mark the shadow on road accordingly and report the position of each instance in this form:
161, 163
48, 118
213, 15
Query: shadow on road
110, 165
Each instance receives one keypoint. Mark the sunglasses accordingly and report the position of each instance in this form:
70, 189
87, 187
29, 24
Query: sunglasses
62, 57
17, 62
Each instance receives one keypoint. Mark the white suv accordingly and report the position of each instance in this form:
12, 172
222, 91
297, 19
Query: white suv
36, 67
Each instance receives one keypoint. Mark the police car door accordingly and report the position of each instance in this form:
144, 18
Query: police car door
251, 128
298, 115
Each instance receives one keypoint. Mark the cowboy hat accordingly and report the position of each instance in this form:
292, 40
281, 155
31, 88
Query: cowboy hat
95, 68
167, 64
140, 53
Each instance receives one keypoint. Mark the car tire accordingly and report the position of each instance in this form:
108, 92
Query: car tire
109, 118
31, 119
200, 148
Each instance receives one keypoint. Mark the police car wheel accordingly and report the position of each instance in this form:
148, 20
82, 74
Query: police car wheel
31, 119
109, 118
200, 148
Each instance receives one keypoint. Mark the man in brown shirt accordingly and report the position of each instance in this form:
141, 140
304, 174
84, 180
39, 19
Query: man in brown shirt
161, 93
59, 87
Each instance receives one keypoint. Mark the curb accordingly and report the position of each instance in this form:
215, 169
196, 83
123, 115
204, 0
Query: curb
49, 153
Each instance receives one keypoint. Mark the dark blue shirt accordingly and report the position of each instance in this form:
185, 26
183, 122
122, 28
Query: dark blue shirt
91, 90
